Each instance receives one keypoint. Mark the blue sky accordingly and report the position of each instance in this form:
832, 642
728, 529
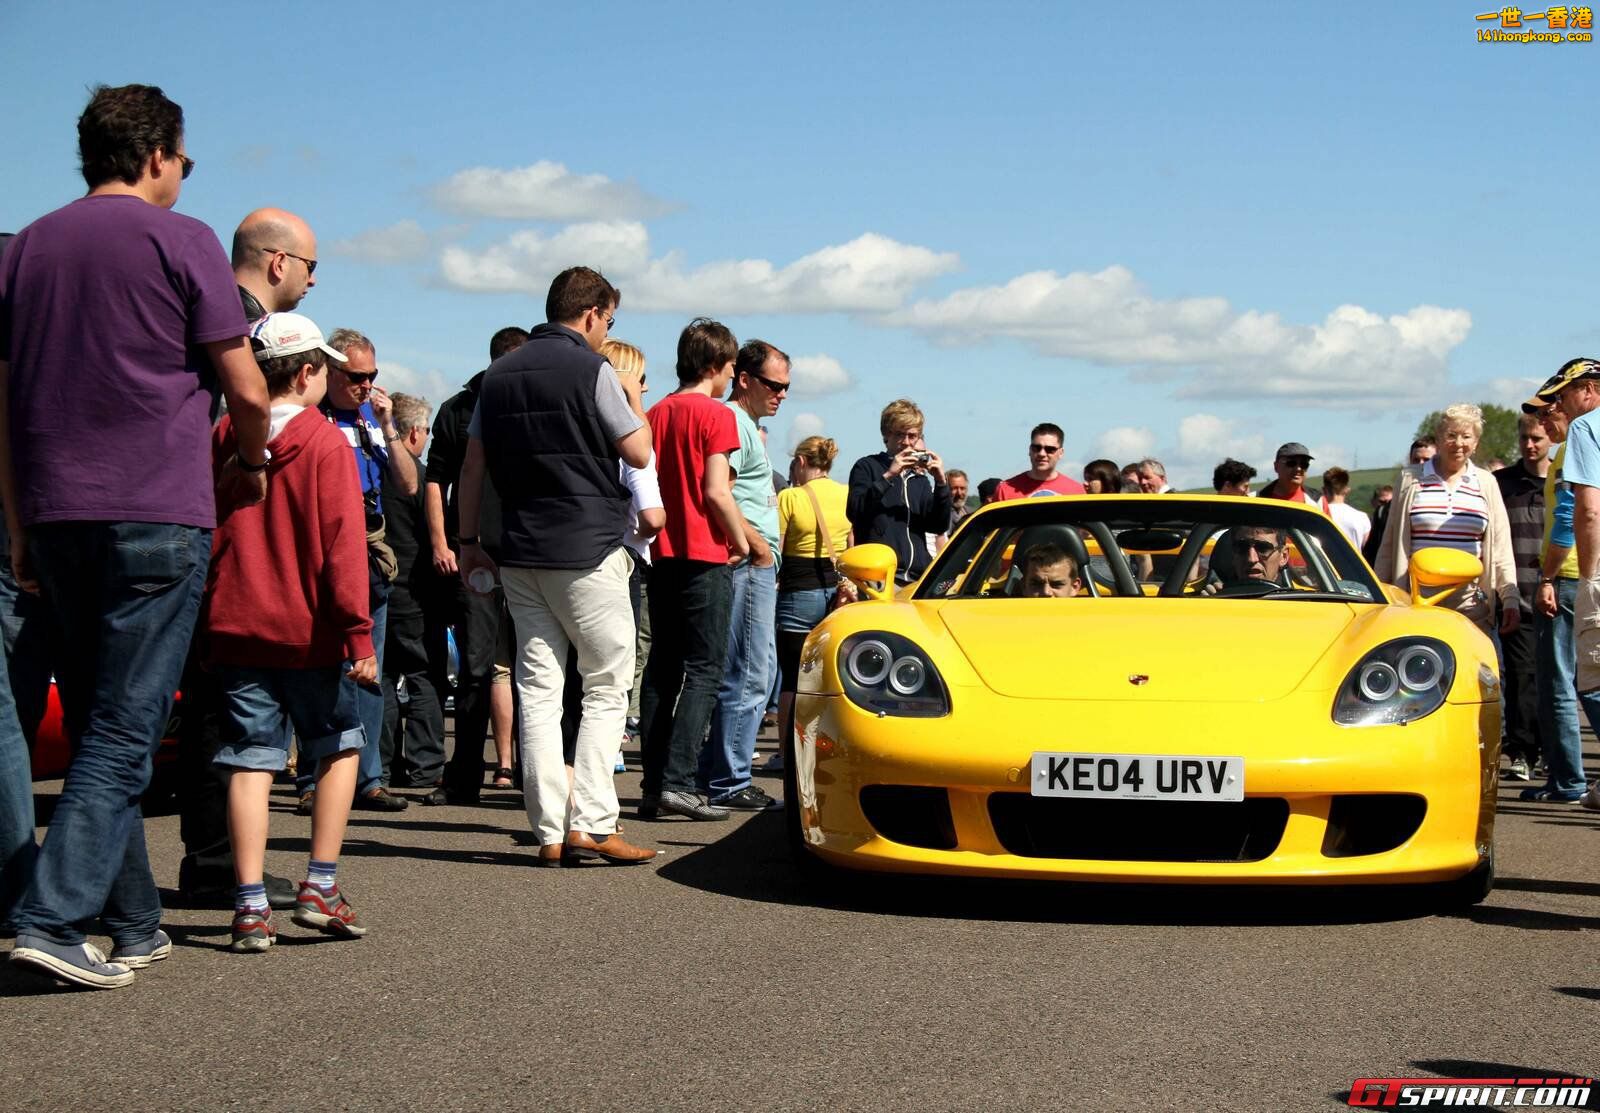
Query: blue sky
1172, 229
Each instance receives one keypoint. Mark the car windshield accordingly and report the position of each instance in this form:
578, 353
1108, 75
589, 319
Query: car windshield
1151, 546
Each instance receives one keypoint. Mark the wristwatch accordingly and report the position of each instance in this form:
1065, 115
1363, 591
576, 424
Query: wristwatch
244, 465
1551, 580
465, 541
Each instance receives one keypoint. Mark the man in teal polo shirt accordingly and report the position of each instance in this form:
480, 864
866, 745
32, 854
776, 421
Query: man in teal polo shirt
760, 381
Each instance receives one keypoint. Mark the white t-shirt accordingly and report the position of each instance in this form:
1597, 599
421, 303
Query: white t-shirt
645, 487
1355, 523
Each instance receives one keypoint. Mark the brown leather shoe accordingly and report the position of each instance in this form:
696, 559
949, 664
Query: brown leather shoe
582, 848
549, 855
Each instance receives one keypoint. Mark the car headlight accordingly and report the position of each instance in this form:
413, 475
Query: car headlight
1397, 682
887, 674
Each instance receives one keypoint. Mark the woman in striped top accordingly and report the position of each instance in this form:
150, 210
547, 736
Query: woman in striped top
1453, 503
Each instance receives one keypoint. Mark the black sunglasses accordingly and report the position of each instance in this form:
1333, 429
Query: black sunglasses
1044, 448
360, 378
776, 388
188, 166
311, 264
1262, 549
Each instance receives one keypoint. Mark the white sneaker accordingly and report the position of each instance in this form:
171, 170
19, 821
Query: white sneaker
773, 764
1591, 799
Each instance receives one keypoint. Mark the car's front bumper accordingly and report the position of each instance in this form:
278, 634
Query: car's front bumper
1431, 785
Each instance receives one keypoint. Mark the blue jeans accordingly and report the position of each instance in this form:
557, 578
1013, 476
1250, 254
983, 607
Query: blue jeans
689, 602
27, 645
17, 849
122, 598
369, 705
742, 699
1555, 668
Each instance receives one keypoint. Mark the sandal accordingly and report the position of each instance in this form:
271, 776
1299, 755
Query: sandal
503, 779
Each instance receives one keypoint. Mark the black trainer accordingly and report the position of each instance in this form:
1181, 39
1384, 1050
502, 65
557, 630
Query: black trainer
748, 799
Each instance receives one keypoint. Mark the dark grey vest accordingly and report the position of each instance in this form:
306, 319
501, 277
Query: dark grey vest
563, 503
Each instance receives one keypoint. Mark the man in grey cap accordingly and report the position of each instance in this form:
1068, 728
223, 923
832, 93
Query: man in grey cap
1291, 463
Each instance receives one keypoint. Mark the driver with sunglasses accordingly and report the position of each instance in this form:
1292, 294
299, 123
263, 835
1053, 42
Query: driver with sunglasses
1248, 554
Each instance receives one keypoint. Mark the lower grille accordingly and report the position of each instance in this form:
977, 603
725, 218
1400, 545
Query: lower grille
1371, 824
912, 815
1137, 830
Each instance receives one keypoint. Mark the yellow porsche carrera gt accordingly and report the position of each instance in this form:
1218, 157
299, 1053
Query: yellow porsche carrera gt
1150, 689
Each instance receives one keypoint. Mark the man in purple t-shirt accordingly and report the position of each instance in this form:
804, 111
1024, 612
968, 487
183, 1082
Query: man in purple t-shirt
118, 321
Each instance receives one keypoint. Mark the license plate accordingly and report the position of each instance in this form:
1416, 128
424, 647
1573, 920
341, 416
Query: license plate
1138, 776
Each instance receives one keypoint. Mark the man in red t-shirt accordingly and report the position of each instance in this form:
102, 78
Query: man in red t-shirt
691, 582
1291, 463
1044, 453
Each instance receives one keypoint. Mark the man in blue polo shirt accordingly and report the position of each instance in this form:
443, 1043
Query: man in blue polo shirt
363, 412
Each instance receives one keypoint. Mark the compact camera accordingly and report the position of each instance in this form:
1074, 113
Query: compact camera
923, 459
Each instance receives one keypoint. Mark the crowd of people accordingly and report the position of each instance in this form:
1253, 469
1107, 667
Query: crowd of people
298, 567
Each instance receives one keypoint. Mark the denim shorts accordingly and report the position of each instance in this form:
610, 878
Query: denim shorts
264, 708
800, 611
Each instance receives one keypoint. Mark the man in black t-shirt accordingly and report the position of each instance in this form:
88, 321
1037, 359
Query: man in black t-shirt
416, 738
479, 621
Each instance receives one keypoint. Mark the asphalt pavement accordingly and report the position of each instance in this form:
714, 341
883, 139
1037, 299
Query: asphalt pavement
715, 978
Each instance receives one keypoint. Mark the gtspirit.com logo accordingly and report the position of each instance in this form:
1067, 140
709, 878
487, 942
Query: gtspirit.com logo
1537, 1093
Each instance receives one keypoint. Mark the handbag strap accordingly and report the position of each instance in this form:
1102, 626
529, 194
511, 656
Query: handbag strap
822, 524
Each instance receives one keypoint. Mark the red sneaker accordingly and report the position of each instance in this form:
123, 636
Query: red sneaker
328, 912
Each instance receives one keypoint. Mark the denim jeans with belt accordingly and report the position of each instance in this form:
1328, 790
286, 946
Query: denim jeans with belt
1558, 696
122, 599
729, 752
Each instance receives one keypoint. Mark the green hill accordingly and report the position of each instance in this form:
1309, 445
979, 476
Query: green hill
1362, 484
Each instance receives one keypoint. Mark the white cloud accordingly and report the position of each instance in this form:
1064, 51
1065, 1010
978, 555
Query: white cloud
405, 242
801, 426
1354, 358
527, 260
545, 191
1124, 444
817, 376
433, 385
1206, 439
870, 274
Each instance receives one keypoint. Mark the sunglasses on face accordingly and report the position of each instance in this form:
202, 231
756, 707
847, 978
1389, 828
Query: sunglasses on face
311, 264
776, 388
359, 378
1051, 449
1301, 462
1261, 548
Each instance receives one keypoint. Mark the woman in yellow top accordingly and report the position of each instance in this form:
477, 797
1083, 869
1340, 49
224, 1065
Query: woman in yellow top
807, 578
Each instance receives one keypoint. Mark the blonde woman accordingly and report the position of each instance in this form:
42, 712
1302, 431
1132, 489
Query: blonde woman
1453, 503
813, 530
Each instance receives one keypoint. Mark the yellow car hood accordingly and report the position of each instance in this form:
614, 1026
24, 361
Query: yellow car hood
1211, 650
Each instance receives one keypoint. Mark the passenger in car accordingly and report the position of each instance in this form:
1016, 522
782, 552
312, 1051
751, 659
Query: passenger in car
1050, 572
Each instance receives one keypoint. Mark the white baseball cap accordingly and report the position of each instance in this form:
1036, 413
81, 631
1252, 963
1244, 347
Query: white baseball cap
288, 334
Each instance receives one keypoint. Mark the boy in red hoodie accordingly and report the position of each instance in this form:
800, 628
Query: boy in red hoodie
285, 617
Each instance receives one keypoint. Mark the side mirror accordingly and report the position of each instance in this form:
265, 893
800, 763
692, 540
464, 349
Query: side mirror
871, 568
1440, 571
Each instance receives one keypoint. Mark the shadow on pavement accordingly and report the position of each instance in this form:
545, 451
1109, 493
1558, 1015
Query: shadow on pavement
1545, 885
1583, 992
362, 848
752, 863
1531, 919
